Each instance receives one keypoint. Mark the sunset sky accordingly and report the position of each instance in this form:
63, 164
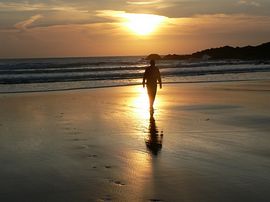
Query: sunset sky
52, 28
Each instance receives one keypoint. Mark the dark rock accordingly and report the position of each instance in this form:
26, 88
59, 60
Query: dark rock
153, 57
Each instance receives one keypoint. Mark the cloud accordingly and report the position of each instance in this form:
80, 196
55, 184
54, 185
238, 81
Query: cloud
142, 2
132, 19
109, 13
119, 14
84, 11
26, 6
53, 12
50, 27
249, 3
204, 31
23, 25
181, 35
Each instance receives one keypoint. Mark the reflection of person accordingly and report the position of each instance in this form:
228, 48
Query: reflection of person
151, 76
154, 140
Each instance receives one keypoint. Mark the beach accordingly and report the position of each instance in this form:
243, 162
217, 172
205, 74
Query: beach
206, 142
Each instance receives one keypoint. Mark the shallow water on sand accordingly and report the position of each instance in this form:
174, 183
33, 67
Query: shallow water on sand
207, 142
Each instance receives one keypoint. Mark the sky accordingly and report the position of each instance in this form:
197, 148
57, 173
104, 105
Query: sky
81, 28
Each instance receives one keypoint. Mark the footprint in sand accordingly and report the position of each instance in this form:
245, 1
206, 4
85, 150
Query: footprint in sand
92, 156
78, 139
106, 198
71, 130
117, 182
74, 133
81, 147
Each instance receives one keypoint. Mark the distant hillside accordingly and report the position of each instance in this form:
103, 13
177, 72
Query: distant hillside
227, 52
259, 52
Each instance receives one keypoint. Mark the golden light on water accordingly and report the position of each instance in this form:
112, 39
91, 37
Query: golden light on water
142, 24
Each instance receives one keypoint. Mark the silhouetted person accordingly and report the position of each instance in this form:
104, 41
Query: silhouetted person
154, 140
150, 77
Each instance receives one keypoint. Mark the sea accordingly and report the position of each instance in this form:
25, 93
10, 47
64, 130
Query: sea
56, 74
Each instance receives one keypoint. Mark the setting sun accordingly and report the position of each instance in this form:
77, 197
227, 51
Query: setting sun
142, 24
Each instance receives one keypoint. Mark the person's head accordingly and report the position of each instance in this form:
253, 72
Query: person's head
152, 62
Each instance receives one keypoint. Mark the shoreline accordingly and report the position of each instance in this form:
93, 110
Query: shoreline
127, 85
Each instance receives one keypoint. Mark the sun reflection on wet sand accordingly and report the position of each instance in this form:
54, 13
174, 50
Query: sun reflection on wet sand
141, 104
141, 159
145, 121
140, 172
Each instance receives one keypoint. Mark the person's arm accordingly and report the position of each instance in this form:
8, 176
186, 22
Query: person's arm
159, 79
144, 77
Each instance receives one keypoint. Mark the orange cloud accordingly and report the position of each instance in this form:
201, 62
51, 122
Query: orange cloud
26, 23
143, 2
249, 3
178, 35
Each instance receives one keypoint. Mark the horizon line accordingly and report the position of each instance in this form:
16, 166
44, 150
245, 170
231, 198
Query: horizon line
107, 56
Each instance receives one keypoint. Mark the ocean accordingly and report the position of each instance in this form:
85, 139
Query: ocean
53, 74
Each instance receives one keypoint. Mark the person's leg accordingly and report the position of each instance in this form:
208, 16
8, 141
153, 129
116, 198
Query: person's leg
152, 90
150, 95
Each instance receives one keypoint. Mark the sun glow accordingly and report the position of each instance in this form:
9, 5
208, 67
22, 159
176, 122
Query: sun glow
142, 24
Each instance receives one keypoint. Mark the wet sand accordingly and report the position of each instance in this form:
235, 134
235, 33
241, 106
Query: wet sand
207, 142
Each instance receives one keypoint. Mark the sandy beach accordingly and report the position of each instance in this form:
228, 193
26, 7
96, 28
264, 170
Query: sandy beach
207, 142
